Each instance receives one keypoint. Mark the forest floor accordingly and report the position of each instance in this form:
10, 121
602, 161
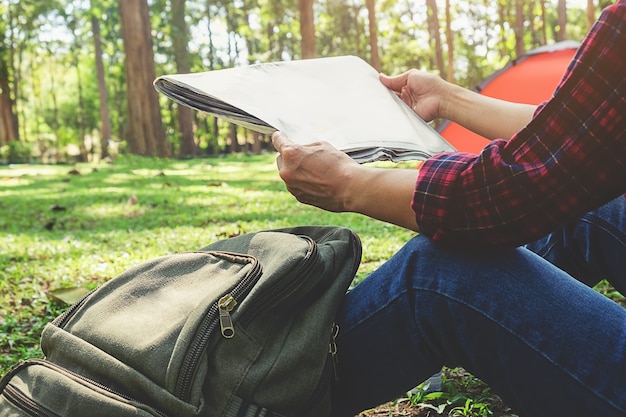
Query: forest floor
461, 395
73, 229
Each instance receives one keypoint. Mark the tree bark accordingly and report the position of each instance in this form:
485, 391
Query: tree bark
8, 129
181, 55
307, 29
518, 28
145, 134
234, 139
450, 41
562, 20
373, 34
105, 114
591, 13
435, 35
8, 115
544, 22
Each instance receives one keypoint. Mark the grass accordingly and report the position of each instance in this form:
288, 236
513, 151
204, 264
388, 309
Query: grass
78, 226
68, 227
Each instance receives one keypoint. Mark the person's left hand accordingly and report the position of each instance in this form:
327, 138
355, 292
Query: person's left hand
317, 174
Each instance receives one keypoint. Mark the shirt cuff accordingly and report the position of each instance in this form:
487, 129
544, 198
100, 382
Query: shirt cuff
434, 192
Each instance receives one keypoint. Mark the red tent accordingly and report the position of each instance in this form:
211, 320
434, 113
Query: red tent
530, 79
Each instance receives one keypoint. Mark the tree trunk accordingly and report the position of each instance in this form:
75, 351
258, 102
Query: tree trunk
8, 118
518, 28
373, 34
105, 115
562, 20
544, 22
8, 129
435, 35
234, 140
55, 125
257, 142
307, 29
84, 156
181, 55
145, 129
80, 109
450, 41
591, 13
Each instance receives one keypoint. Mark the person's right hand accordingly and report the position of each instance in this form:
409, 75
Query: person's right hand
422, 91
431, 97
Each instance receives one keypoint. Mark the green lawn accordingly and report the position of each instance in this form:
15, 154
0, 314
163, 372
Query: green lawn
64, 228
77, 226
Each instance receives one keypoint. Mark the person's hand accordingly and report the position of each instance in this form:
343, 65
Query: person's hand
316, 174
431, 97
421, 91
320, 175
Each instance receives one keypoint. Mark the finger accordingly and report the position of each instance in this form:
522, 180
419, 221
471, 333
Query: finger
279, 140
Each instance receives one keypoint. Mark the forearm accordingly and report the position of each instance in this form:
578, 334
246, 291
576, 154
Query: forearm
567, 161
489, 117
383, 194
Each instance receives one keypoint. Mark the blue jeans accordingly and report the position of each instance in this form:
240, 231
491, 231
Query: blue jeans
546, 342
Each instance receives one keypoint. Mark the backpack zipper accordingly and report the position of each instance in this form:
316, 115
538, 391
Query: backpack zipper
285, 286
225, 305
330, 370
219, 312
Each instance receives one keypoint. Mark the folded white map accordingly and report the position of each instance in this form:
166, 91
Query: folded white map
338, 99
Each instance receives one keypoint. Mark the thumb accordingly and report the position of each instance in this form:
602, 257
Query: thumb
394, 83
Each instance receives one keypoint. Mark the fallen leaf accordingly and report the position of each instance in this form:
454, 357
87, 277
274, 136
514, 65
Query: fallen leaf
67, 295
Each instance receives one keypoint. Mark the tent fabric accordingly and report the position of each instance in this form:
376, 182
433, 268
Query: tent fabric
530, 79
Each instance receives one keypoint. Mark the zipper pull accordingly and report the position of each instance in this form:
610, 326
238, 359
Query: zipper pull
332, 349
226, 304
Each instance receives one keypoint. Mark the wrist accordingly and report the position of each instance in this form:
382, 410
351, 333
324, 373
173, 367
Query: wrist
384, 194
354, 187
451, 98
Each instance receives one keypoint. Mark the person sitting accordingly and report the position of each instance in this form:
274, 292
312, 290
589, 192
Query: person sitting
510, 242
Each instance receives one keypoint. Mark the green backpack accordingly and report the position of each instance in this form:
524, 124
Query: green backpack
241, 328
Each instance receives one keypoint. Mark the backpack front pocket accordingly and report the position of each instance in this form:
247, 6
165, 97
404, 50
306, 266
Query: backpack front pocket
37, 388
156, 318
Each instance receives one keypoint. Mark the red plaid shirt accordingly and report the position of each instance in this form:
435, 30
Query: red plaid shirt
570, 159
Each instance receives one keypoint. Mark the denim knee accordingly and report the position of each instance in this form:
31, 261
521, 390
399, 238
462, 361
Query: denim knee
511, 318
592, 248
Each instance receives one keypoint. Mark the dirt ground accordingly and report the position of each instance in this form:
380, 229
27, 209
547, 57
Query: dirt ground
459, 384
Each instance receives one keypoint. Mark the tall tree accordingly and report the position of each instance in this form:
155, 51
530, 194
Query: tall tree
307, 29
435, 35
80, 109
450, 42
373, 34
591, 13
145, 129
213, 128
105, 114
544, 22
8, 113
180, 38
561, 10
518, 28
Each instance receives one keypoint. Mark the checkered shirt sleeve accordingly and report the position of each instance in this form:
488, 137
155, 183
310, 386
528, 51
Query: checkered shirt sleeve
570, 159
